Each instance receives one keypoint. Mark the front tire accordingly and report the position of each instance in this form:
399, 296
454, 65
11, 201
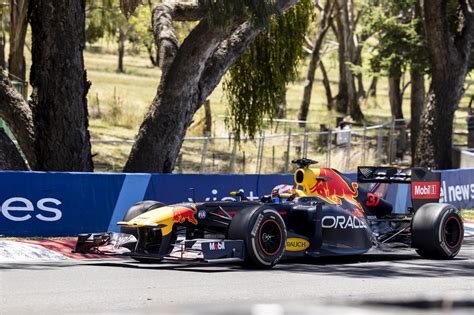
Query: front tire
437, 231
264, 234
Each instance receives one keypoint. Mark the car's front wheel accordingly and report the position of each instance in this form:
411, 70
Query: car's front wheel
264, 234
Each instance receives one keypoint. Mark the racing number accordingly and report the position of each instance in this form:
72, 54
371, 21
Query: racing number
372, 200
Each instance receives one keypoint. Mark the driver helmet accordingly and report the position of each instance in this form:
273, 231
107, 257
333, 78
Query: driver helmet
281, 189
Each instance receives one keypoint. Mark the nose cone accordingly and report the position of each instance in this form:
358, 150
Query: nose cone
163, 215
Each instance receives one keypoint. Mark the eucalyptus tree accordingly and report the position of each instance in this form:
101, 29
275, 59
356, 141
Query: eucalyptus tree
192, 70
449, 27
18, 27
52, 129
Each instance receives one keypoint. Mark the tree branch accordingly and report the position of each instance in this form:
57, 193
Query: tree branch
188, 11
19, 117
468, 14
10, 157
164, 33
230, 49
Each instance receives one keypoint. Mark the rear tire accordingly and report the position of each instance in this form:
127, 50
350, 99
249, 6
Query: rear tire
136, 210
264, 234
437, 231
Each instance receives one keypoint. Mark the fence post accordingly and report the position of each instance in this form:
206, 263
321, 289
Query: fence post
204, 153
328, 149
349, 149
261, 144
390, 142
379, 145
288, 147
232, 161
305, 142
364, 145
273, 159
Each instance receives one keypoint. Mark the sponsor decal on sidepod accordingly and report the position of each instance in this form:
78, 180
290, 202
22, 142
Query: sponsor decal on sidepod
342, 222
296, 244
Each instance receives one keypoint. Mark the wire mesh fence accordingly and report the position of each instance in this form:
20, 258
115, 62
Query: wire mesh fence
343, 148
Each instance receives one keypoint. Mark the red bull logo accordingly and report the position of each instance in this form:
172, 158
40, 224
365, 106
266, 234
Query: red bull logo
333, 189
181, 214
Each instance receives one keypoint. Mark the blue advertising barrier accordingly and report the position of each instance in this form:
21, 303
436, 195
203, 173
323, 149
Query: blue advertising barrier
66, 204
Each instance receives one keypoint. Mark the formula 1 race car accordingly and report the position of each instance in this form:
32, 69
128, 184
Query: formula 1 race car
326, 214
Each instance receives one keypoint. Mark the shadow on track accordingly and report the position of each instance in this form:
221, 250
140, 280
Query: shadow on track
372, 265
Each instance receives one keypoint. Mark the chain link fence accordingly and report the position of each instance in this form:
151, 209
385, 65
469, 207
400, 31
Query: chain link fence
343, 148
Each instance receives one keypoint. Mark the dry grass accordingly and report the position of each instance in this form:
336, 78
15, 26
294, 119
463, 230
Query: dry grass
118, 103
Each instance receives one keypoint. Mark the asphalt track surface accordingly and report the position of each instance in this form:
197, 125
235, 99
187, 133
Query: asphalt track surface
110, 286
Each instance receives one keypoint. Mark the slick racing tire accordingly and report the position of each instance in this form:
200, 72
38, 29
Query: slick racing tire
437, 231
264, 234
136, 210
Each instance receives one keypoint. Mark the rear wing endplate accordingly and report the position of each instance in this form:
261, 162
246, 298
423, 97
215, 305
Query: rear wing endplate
425, 184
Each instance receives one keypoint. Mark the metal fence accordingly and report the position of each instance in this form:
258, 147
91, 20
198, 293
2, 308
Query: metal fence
341, 148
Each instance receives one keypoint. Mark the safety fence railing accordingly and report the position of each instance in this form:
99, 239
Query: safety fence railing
342, 148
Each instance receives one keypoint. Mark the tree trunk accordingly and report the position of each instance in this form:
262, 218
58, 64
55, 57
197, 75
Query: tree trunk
361, 93
372, 92
449, 57
395, 96
353, 105
208, 116
154, 58
417, 101
327, 86
341, 97
121, 50
18, 26
3, 62
10, 157
190, 74
60, 86
17, 113
315, 58
280, 113
171, 112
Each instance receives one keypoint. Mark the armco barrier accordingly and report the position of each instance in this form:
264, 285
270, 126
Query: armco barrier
65, 204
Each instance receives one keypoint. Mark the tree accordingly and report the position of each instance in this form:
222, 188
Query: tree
347, 100
52, 129
18, 27
192, 71
417, 74
271, 62
323, 26
449, 36
399, 45
109, 20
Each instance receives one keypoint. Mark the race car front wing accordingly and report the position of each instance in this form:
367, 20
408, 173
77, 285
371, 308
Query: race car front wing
195, 250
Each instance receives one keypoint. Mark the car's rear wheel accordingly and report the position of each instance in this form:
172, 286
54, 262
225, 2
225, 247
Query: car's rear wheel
264, 234
437, 231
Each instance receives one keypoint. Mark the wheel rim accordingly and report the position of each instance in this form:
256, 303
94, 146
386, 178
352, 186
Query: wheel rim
452, 232
270, 237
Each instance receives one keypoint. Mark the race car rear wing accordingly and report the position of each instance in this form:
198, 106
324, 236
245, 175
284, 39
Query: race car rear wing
425, 184
372, 174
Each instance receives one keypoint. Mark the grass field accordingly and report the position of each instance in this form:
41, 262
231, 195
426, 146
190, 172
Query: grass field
118, 103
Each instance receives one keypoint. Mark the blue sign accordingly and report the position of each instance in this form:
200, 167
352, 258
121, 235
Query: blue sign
66, 204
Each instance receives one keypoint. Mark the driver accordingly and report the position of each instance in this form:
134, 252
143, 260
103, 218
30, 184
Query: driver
281, 189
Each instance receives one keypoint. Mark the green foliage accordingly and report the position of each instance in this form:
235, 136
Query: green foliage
256, 82
104, 19
222, 13
399, 42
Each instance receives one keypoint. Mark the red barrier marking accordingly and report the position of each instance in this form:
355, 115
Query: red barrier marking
65, 248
